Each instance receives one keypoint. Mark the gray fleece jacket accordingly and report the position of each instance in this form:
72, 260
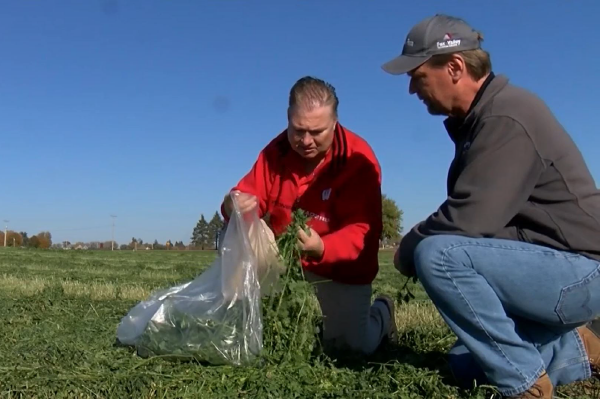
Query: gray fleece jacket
516, 175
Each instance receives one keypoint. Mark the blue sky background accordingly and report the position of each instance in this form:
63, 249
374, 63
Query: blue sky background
133, 107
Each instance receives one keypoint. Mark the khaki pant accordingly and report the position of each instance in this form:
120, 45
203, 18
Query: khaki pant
350, 319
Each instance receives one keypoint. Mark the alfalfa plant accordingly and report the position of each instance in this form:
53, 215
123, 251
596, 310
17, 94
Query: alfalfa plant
292, 316
404, 294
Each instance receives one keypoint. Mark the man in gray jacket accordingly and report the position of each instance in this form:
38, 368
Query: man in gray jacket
511, 259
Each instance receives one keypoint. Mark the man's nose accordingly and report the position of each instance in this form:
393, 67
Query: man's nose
307, 139
412, 89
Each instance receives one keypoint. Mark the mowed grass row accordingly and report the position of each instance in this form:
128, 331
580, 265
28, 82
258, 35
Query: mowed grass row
60, 310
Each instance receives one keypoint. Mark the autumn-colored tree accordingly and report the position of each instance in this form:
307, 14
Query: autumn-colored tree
34, 242
44, 239
43, 242
13, 239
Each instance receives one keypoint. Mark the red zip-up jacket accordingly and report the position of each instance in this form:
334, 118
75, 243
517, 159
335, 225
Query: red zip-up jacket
342, 197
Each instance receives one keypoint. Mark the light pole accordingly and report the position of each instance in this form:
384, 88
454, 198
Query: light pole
112, 243
5, 231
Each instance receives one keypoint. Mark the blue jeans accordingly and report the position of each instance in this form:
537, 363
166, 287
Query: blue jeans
513, 306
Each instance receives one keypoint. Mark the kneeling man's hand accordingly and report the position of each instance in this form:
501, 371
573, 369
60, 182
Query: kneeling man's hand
311, 244
403, 269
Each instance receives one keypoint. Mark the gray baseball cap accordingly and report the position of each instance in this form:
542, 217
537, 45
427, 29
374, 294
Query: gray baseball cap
440, 34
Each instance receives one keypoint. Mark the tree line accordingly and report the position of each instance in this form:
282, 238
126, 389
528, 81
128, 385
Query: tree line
21, 239
138, 243
205, 235
134, 244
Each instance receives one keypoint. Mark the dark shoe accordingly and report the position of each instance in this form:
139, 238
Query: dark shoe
392, 334
542, 388
590, 335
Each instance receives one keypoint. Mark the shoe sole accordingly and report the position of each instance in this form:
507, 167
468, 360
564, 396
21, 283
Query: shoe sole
392, 334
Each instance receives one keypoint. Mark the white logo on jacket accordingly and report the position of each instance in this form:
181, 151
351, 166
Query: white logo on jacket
325, 195
321, 218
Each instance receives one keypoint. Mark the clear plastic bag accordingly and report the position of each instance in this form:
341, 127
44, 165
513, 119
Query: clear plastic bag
216, 317
268, 263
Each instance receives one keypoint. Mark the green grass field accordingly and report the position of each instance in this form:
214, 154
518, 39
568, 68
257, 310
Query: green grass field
60, 309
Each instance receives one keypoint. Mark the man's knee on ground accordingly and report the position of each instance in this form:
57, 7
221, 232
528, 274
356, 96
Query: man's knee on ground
465, 370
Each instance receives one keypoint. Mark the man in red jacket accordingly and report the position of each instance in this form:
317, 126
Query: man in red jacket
331, 173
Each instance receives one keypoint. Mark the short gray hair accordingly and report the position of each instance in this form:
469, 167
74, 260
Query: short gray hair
478, 61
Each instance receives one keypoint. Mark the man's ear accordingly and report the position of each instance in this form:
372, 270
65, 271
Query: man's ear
457, 68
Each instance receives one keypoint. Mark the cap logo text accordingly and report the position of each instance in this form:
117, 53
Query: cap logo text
448, 44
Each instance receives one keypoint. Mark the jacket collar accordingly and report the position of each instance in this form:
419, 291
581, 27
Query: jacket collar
490, 87
339, 148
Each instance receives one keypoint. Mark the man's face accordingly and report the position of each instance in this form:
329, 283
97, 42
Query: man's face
434, 86
310, 130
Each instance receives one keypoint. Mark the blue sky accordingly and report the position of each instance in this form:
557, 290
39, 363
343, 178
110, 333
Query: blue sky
132, 107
